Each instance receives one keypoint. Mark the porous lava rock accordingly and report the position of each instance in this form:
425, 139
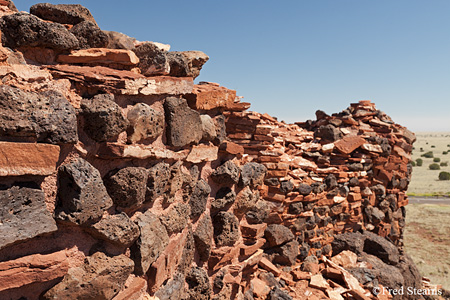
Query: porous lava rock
89, 35
253, 174
145, 123
203, 237
83, 196
152, 59
127, 186
227, 173
117, 229
184, 125
103, 119
46, 117
22, 29
23, 215
199, 197
226, 229
62, 13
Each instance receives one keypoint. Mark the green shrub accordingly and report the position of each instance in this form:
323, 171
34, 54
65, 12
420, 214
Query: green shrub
421, 149
444, 175
436, 159
419, 162
413, 163
433, 146
434, 167
445, 152
428, 154
444, 164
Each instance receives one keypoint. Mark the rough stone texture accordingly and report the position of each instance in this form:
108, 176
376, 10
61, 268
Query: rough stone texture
22, 29
328, 133
200, 153
199, 198
103, 119
349, 143
353, 241
117, 229
89, 35
277, 234
36, 268
186, 63
176, 218
158, 178
47, 117
203, 236
82, 195
208, 128
23, 215
259, 213
122, 82
209, 96
152, 59
380, 247
173, 289
184, 125
227, 173
199, 287
100, 56
27, 159
118, 40
286, 254
101, 278
62, 13
245, 200
150, 244
304, 189
226, 229
278, 294
145, 123
253, 174
225, 197
127, 186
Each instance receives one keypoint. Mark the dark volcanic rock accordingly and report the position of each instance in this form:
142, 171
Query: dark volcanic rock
278, 294
103, 119
304, 189
286, 186
328, 133
223, 200
117, 229
118, 40
259, 213
277, 234
101, 278
380, 247
127, 186
90, 35
176, 218
47, 117
81, 193
387, 275
199, 286
226, 229
10, 5
158, 178
203, 236
253, 174
183, 123
22, 29
62, 13
199, 198
226, 174
150, 244
188, 253
286, 254
23, 215
353, 241
186, 63
330, 182
145, 122
152, 60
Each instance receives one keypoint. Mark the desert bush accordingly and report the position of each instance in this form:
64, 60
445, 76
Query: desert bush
413, 163
445, 152
421, 149
444, 175
434, 167
419, 162
433, 146
436, 159
444, 164
428, 154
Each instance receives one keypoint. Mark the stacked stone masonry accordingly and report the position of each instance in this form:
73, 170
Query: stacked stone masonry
122, 179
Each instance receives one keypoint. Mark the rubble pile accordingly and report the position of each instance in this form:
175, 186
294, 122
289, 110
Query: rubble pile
122, 179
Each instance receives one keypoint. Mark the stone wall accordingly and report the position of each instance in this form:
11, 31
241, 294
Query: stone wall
122, 179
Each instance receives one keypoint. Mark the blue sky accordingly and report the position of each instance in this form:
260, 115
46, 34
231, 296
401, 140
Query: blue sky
290, 58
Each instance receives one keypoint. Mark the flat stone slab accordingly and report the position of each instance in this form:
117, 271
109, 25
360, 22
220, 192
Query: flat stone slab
23, 215
27, 159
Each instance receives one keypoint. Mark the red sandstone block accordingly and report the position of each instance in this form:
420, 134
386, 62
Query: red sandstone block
254, 231
210, 96
268, 266
349, 143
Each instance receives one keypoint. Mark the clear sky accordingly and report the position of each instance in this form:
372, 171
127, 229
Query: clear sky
290, 58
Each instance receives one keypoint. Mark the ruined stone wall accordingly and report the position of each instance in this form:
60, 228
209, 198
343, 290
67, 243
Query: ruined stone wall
121, 179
